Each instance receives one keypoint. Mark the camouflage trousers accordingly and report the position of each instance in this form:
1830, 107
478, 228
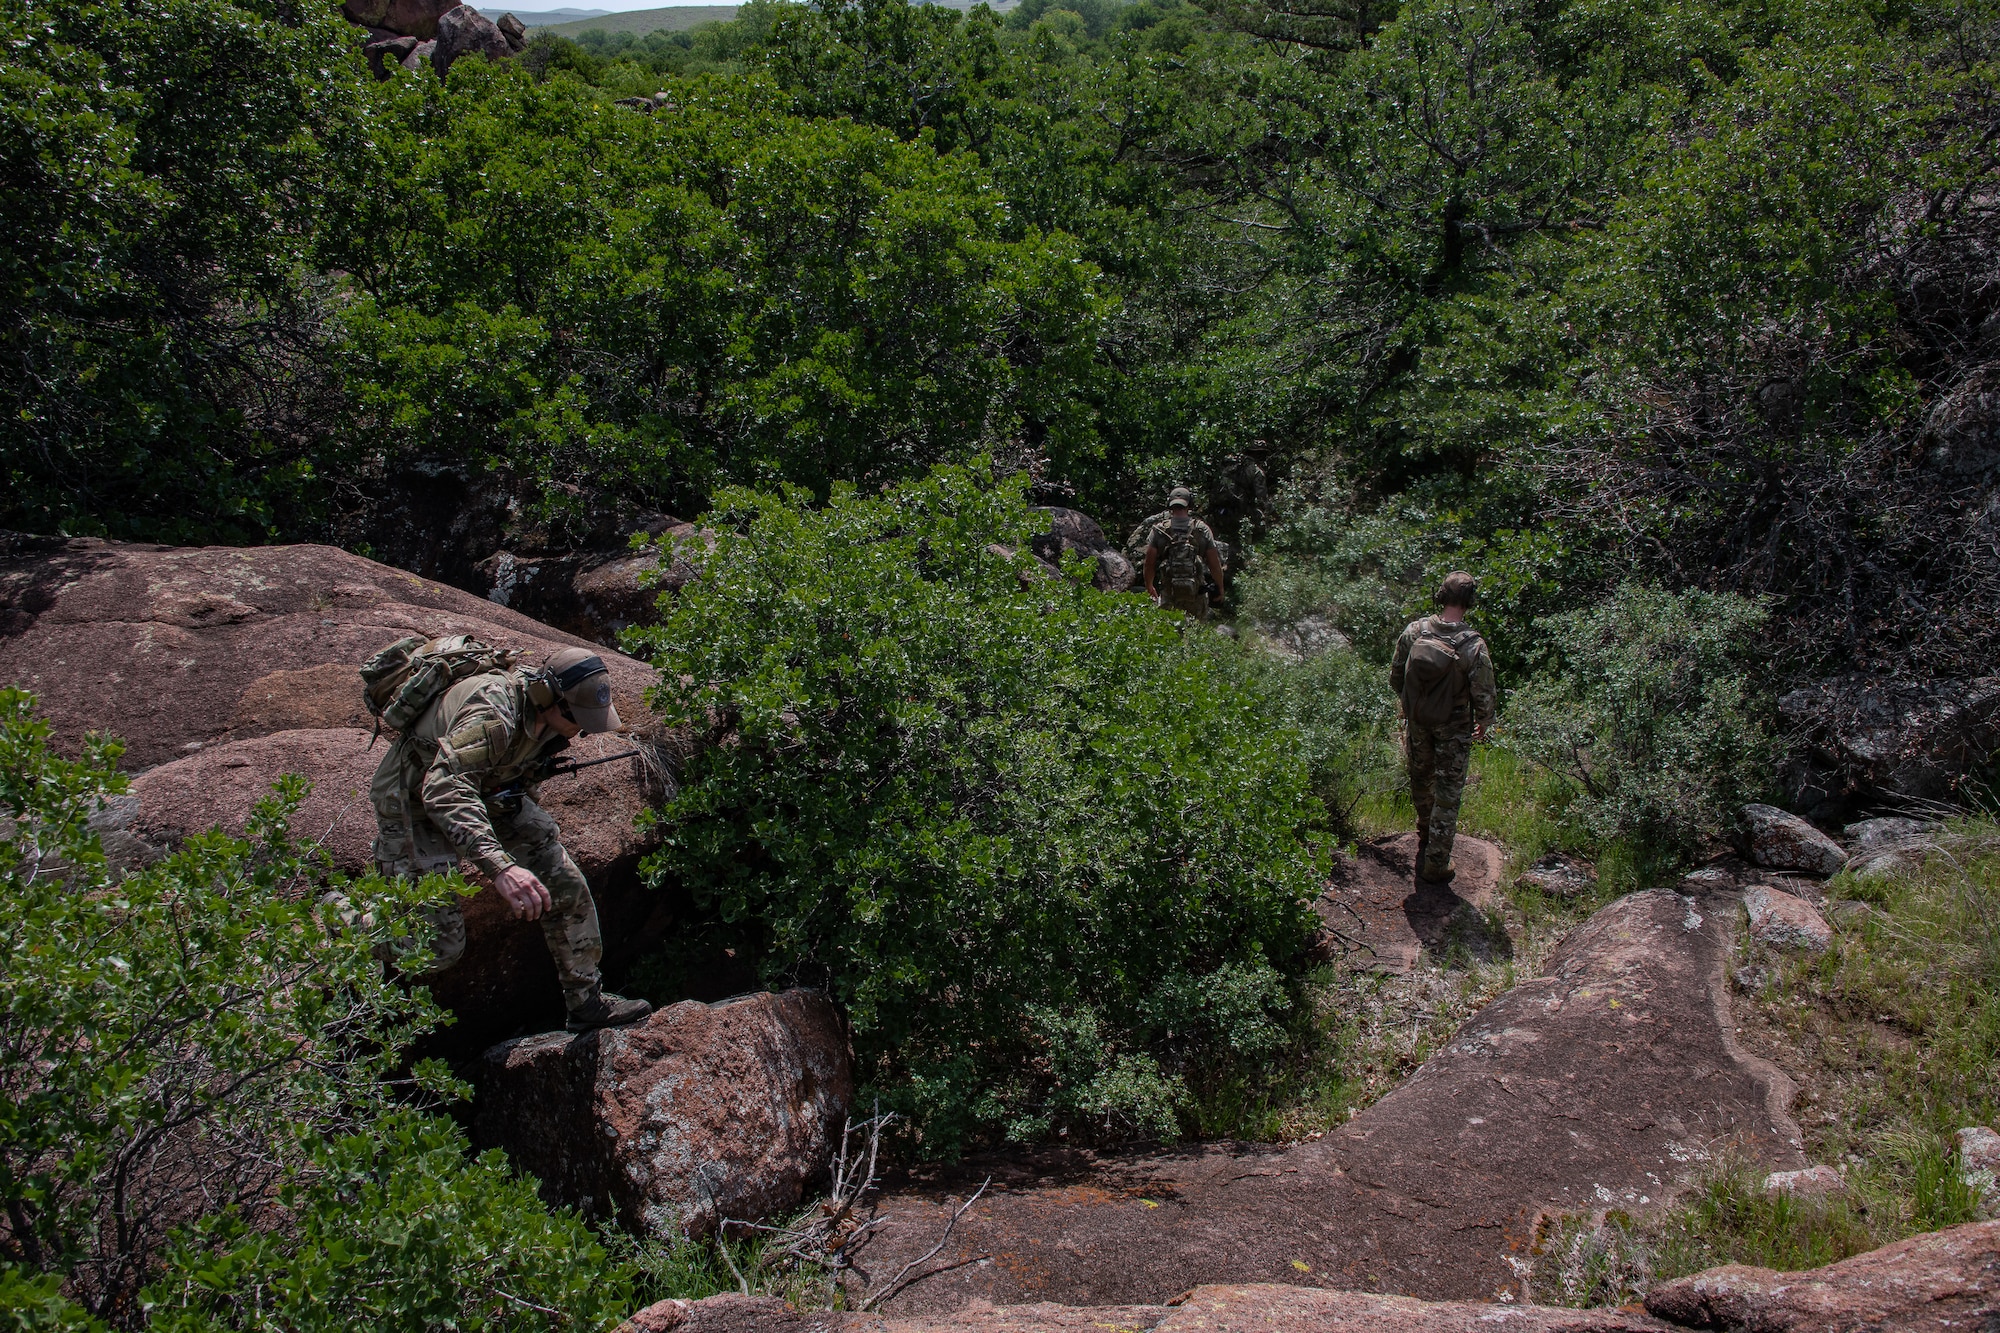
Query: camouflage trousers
1194, 601
1438, 759
410, 845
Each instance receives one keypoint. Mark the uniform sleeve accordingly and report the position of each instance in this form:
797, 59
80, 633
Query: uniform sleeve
1485, 696
452, 798
1401, 661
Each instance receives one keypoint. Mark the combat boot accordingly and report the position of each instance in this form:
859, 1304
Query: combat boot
603, 1010
1441, 883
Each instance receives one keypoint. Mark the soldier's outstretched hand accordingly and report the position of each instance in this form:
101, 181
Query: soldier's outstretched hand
526, 894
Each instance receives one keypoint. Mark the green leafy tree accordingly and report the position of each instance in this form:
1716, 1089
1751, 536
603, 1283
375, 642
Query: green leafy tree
1649, 702
163, 367
1038, 839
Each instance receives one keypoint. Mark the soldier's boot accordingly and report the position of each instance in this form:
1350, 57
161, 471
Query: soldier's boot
604, 1010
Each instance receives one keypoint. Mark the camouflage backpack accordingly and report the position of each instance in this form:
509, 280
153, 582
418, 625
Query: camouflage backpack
1180, 563
405, 678
1435, 679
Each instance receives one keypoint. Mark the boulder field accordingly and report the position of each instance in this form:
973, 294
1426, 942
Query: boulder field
222, 668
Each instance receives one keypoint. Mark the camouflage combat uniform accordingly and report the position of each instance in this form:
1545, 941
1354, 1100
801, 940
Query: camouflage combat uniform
1439, 756
1175, 588
431, 795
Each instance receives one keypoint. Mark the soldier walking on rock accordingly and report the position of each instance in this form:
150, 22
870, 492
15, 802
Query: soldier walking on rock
460, 781
1181, 545
1443, 677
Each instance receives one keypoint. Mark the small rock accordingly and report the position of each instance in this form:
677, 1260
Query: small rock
1815, 1182
1750, 980
731, 1109
1560, 876
1849, 914
1874, 835
659, 1317
1979, 1149
419, 56
388, 50
1307, 637
465, 31
514, 31
1780, 841
1784, 922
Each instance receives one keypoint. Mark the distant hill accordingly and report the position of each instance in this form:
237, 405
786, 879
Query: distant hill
542, 18
642, 21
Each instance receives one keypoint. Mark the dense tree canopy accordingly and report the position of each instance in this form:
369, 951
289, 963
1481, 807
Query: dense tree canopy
1687, 283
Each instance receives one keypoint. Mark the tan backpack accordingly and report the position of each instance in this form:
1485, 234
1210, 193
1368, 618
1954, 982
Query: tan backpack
408, 676
1435, 679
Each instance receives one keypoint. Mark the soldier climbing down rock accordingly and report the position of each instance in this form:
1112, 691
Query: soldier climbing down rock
1443, 677
1177, 550
461, 780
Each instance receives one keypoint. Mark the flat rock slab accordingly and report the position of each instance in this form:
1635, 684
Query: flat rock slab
1597, 1084
1374, 916
1251, 1308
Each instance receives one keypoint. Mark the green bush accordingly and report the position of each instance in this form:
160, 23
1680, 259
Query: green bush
175, 1036
1040, 840
1647, 702
398, 1230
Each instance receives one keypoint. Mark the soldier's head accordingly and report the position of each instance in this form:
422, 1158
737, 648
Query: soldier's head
1179, 500
1459, 589
579, 687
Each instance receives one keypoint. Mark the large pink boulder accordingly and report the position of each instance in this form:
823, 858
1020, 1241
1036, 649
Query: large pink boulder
413, 18
1942, 1280
464, 31
700, 1112
222, 668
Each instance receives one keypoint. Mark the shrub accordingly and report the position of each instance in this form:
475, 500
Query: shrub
1040, 840
397, 1230
172, 1038
1645, 702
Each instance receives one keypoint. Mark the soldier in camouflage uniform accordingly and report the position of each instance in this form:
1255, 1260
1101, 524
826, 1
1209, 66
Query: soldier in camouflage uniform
1175, 553
1439, 748
435, 801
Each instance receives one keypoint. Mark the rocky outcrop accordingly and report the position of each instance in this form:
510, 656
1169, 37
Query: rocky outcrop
222, 668
1071, 531
700, 1112
1945, 1280
407, 33
411, 18
595, 594
1781, 921
1866, 738
1780, 841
